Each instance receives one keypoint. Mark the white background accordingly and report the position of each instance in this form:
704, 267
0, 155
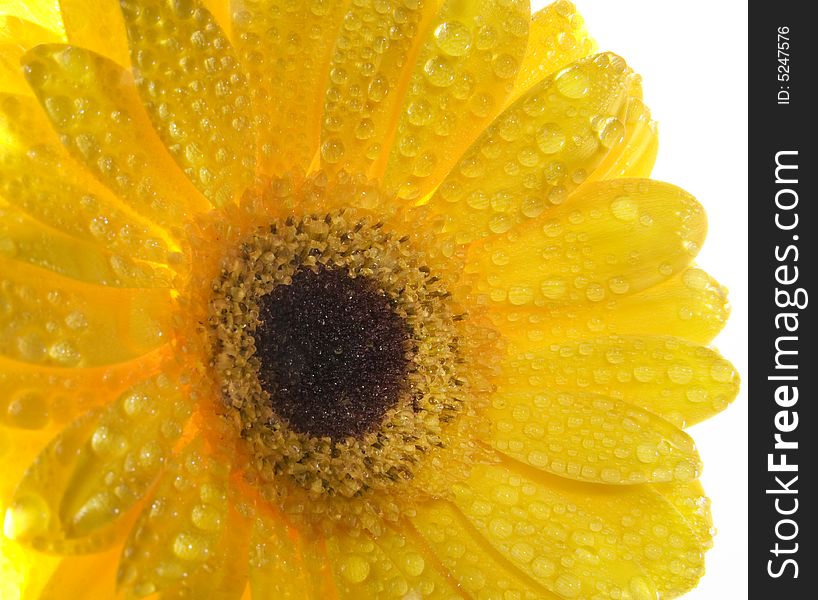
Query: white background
693, 58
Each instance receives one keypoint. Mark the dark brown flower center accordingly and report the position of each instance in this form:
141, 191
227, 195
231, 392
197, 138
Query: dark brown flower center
332, 353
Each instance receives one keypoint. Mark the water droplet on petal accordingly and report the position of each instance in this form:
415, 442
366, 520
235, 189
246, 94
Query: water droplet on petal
453, 38
439, 72
550, 138
354, 568
625, 208
332, 150
573, 82
612, 132
27, 516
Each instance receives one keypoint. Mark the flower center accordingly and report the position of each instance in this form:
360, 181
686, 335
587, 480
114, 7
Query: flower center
332, 353
337, 351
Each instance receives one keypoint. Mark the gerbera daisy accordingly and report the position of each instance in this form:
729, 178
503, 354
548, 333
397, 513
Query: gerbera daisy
356, 299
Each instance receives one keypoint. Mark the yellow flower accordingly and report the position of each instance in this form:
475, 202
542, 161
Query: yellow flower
365, 299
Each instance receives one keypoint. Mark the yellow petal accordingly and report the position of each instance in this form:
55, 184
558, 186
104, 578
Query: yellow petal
180, 539
195, 91
611, 238
286, 566
18, 449
35, 396
285, 48
39, 177
582, 436
16, 37
92, 104
23, 571
387, 565
97, 25
45, 13
73, 497
59, 322
90, 577
557, 37
635, 154
682, 382
690, 501
465, 71
581, 540
368, 78
26, 240
536, 152
477, 568
49, 189
691, 305
220, 9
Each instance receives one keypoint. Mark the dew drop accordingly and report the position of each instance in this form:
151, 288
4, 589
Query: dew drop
666, 269
477, 200
27, 517
486, 37
500, 528
722, 373
365, 129
550, 138
612, 132
133, 404
644, 373
568, 586
206, 517
520, 295
354, 568
685, 471
522, 552
680, 374
107, 443
619, 285
413, 564
64, 353
647, 454
419, 112
695, 279
504, 66
502, 201
553, 289
453, 38
537, 458
573, 82
190, 547
542, 567
472, 167
424, 165
408, 146
500, 223
595, 292
532, 206
625, 208
332, 150
320, 8
76, 320
439, 72
97, 511
378, 88
697, 395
